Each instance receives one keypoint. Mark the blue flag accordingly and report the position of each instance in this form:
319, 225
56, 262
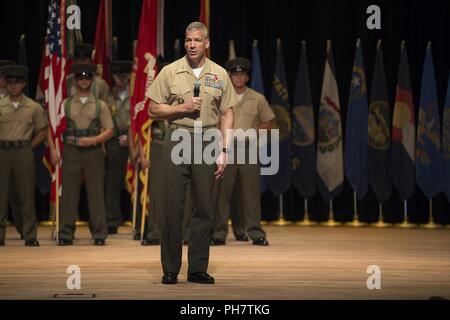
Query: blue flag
446, 141
281, 182
356, 134
256, 77
428, 156
258, 85
303, 133
379, 139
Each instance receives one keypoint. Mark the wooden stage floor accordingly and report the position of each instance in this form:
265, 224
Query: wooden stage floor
300, 263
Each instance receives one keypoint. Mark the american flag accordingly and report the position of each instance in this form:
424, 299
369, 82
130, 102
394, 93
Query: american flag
55, 79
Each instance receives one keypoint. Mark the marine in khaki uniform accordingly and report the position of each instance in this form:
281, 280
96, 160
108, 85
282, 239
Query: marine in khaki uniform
99, 88
13, 198
23, 126
117, 148
243, 180
173, 98
89, 124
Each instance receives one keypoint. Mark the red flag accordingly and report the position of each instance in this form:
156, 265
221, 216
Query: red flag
143, 75
103, 40
55, 80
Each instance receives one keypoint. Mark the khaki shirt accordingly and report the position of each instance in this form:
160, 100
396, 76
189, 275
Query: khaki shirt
175, 85
21, 123
252, 111
99, 89
83, 114
121, 115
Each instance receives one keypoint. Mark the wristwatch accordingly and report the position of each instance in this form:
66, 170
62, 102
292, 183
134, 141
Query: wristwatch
226, 150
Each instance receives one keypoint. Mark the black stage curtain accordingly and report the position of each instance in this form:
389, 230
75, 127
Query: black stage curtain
415, 21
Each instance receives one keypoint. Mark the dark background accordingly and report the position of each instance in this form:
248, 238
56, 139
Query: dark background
415, 21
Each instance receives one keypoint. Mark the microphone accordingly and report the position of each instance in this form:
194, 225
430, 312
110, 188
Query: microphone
197, 89
196, 95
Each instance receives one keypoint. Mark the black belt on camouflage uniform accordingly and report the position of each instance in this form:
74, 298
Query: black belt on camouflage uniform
15, 144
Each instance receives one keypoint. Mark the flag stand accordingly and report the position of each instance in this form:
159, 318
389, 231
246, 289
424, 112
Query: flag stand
381, 223
355, 223
306, 221
281, 222
431, 224
405, 223
331, 222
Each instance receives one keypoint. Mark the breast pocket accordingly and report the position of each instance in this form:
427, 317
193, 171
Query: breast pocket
85, 118
25, 117
213, 97
179, 95
249, 108
5, 118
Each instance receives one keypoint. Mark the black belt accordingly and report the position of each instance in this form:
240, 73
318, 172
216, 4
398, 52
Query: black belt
15, 144
81, 133
190, 129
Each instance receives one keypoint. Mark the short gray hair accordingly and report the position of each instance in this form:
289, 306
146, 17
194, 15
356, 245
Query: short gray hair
197, 26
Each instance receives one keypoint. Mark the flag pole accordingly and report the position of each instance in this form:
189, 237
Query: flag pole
381, 223
430, 224
355, 223
57, 192
405, 223
306, 221
331, 222
281, 221
135, 196
145, 191
52, 220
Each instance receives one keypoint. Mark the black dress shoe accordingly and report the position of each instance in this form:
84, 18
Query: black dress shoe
169, 278
65, 242
32, 243
217, 242
201, 277
137, 237
112, 230
261, 242
2, 243
99, 242
151, 242
242, 238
